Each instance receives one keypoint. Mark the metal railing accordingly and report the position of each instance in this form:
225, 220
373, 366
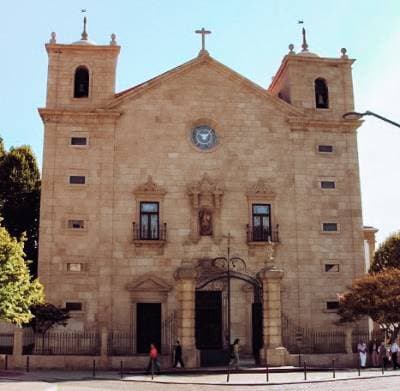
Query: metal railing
121, 343
158, 233
301, 340
259, 234
6, 343
61, 343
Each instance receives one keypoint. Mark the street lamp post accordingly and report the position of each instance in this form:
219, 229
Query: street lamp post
229, 263
356, 115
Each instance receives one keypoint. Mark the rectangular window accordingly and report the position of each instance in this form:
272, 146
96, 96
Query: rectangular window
149, 221
328, 184
329, 227
325, 148
332, 305
331, 268
261, 222
78, 141
75, 267
77, 179
73, 306
76, 224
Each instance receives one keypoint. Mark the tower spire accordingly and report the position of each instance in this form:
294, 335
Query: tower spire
304, 45
84, 35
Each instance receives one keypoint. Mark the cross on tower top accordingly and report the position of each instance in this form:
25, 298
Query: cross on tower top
203, 32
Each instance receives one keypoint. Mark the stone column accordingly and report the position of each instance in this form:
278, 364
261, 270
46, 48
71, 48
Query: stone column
274, 353
104, 347
186, 291
17, 358
348, 339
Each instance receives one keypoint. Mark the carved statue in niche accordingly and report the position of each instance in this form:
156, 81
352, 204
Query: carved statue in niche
205, 222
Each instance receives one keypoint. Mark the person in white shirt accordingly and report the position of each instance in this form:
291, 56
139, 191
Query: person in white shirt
394, 348
362, 351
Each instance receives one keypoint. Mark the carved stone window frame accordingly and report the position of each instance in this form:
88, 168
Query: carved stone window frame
260, 193
149, 192
205, 194
149, 289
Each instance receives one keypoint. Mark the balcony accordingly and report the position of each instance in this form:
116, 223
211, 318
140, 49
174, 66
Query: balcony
259, 235
154, 237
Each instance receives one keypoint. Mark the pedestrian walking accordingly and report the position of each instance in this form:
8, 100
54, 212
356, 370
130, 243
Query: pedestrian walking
373, 352
178, 355
394, 348
235, 354
153, 362
362, 351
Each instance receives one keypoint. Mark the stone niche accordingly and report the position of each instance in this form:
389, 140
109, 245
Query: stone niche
205, 201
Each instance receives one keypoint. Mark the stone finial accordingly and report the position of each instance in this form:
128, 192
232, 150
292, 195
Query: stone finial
344, 53
84, 35
304, 45
291, 51
53, 38
113, 41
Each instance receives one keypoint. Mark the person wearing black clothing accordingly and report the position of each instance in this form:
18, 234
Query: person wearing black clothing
178, 355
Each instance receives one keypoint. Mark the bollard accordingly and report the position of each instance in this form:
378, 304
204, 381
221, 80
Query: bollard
383, 368
152, 369
333, 369
27, 363
121, 369
305, 370
6, 362
267, 373
359, 369
94, 368
299, 360
228, 374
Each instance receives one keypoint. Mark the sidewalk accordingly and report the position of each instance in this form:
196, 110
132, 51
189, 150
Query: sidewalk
209, 377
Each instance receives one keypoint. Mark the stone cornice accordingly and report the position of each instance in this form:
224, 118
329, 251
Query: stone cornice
304, 124
57, 48
57, 115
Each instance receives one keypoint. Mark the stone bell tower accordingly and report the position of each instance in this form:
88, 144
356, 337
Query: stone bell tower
81, 75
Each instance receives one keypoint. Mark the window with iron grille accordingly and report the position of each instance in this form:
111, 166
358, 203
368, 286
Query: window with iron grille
325, 148
332, 305
261, 222
76, 224
78, 140
328, 185
329, 227
73, 306
332, 267
149, 221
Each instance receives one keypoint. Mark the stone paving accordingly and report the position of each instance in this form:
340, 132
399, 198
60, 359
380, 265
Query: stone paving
64, 380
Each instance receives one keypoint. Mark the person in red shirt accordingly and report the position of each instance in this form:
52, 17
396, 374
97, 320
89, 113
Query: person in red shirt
153, 362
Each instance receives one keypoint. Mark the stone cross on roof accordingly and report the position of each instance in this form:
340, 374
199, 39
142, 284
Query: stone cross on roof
203, 32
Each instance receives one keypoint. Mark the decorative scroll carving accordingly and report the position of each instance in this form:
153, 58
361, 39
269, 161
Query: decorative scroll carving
260, 189
150, 188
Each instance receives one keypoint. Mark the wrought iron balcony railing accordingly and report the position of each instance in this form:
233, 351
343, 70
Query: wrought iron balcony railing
144, 233
260, 234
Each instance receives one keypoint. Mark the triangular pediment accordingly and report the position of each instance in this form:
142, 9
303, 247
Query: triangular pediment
190, 66
148, 283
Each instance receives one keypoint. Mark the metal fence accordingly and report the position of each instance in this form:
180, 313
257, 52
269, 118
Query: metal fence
121, 343
6, 343
363, 335
61, 343
304, 340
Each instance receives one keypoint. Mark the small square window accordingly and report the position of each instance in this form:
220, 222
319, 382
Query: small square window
77, 179
329, 227
76, 224
328, 185
332, 305
78, 141
73, 306
332, 268
75, 267
325, 148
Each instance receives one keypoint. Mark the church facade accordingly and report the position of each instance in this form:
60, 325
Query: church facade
201, 197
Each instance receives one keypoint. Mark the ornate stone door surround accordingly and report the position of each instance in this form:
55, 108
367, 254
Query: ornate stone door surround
149, 289
205, 199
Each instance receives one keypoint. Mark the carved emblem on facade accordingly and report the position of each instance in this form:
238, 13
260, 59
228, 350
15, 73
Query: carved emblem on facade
149, 187
260, 189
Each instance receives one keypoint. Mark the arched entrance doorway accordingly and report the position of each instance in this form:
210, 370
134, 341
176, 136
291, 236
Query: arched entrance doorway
211, 309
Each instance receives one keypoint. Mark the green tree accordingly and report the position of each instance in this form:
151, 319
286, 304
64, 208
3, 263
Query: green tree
17, 292
388, 254
20, 198
375, 295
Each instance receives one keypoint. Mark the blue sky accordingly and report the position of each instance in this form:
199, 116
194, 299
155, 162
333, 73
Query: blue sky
249, 36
